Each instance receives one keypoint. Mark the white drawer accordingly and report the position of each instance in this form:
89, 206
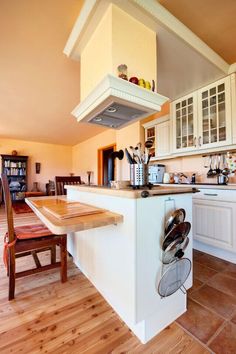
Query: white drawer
216, 194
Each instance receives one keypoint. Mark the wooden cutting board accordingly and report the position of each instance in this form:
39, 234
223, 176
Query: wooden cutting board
71, 210
40, 203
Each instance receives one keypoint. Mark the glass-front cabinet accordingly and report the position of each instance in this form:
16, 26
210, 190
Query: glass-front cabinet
184, 115
202, 119
214, 112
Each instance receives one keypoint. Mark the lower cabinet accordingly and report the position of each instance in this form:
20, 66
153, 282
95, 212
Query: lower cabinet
214, 222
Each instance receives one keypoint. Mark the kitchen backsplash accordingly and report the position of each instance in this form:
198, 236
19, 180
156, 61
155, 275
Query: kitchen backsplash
192, 164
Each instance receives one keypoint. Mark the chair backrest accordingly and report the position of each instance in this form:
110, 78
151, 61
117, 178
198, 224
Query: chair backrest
8, 207
61, 181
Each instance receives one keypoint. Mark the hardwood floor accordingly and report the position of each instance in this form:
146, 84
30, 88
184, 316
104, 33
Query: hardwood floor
50, 317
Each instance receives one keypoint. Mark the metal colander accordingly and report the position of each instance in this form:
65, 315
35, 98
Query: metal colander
174, 277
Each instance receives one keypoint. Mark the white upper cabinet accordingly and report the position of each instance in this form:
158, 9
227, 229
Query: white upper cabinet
214, 114
159, 131
203, 119
184, 115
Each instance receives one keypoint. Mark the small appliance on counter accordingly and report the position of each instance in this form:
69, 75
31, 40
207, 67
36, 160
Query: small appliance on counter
156, 173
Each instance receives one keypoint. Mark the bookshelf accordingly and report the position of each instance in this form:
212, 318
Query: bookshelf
15, 167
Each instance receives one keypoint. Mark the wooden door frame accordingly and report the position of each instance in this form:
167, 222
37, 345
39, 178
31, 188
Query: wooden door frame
100, 161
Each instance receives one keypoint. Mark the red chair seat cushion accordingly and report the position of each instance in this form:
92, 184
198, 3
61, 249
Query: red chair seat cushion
31, 231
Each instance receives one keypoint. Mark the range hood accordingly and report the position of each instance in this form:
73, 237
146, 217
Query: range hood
116, 103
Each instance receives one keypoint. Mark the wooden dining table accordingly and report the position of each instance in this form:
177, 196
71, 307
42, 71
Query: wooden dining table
63, 216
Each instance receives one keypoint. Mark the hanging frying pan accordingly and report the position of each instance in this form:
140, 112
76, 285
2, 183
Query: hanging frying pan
176, 217
175, 251
178, 231
174, 277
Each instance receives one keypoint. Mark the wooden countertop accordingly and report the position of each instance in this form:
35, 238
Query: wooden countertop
72, 224
129, 192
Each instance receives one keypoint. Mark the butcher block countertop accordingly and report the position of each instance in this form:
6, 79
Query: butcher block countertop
131, 193
63, 216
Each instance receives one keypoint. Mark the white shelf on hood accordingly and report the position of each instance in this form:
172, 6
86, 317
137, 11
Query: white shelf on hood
131, 102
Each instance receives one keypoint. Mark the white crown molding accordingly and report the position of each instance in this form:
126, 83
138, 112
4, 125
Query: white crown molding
232, 68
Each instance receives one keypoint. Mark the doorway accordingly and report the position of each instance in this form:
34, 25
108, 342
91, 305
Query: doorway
104, 175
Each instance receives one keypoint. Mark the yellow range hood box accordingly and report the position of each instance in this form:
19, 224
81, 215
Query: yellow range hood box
116, 103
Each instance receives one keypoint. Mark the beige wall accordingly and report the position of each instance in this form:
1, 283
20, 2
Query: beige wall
54, 159
84, 155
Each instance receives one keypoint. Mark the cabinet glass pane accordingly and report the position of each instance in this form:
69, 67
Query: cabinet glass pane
213, 135
204, 104
212, 100
190, 100
184, 126
205, 137
190, 124
204, 94
213, 117
177, 114
221, 87
177, 106
178, 127
190, 140
221, 97
205, 124
184, 103
222, 120
184, 111
212, 91
190, 109
222, 134
184, 141
178, 143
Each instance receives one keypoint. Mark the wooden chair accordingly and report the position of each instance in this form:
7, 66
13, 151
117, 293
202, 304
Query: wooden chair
29, 240
61, 181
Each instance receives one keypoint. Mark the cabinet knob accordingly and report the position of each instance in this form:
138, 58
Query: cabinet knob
200, 141
195, 142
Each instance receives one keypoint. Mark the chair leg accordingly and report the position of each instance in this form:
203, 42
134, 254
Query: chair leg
63, 259
53, 254
11, 272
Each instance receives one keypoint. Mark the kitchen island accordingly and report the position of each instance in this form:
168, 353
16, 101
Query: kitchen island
124, 262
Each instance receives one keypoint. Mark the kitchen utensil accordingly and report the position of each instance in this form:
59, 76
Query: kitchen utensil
148, 159
206, 161
176, 218
134, 155
218, 170
180, 230
210, 172
174, 277
129, 157
214, 161
222, 179
175, 251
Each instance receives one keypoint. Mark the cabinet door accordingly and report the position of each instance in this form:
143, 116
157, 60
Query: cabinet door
163, 139
184, 120
214, 110
213, 223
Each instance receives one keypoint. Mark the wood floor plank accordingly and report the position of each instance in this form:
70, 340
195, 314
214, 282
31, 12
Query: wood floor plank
71, 318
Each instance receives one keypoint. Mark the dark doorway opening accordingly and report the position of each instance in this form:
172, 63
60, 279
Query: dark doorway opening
106, 165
